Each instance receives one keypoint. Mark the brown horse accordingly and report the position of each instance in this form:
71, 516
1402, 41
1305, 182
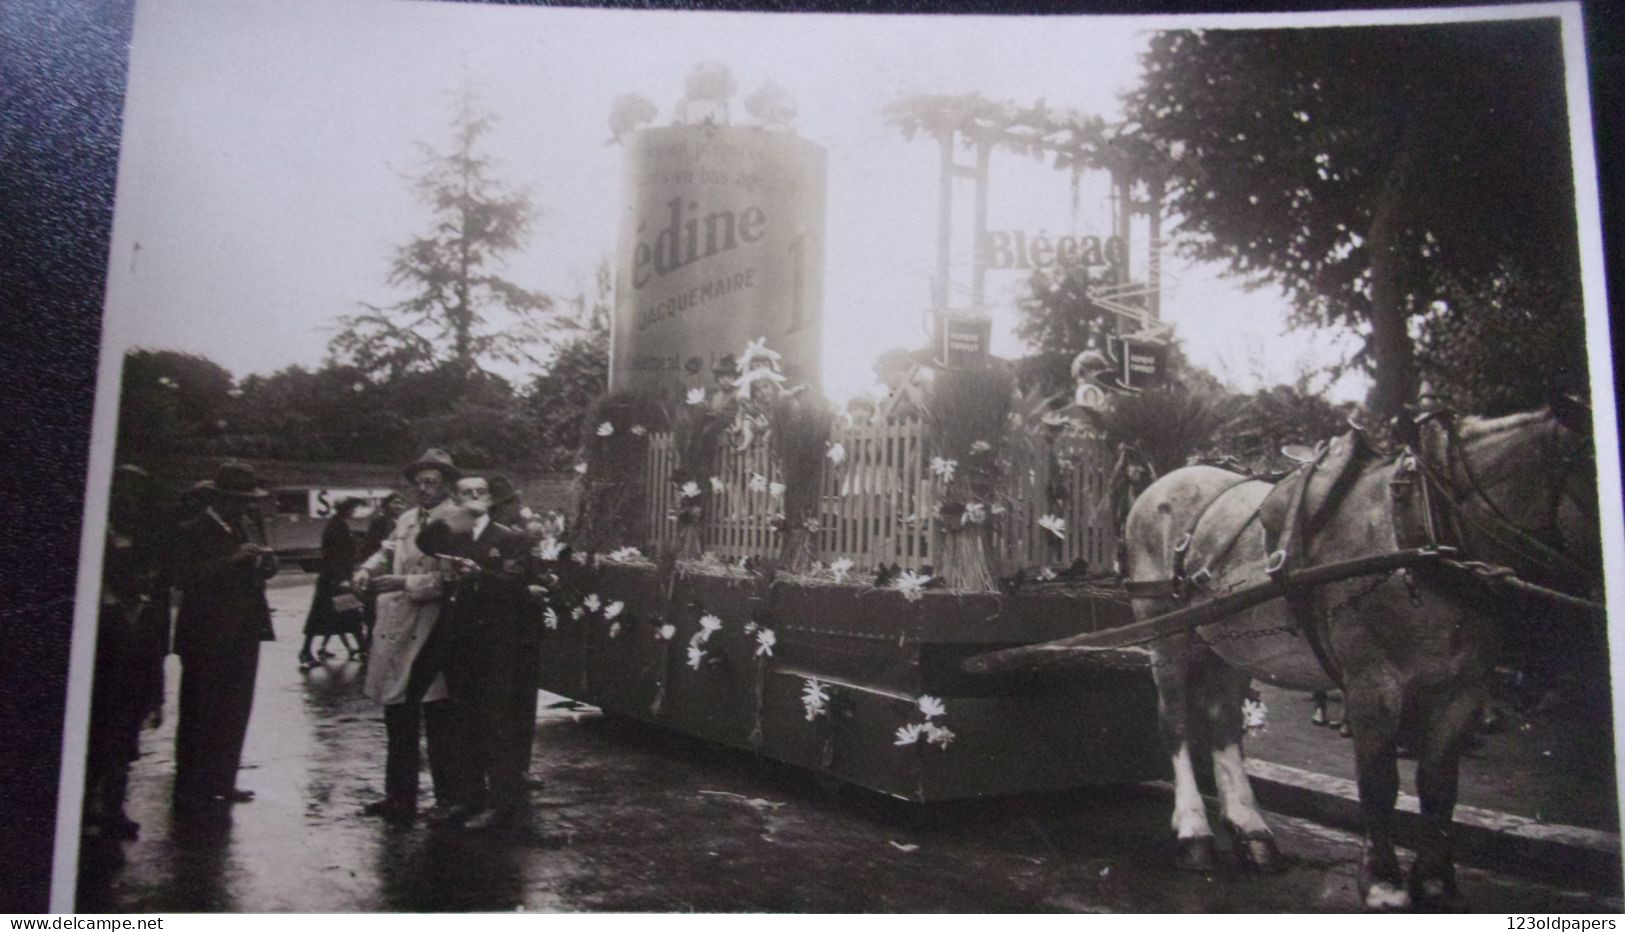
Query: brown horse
1411, 647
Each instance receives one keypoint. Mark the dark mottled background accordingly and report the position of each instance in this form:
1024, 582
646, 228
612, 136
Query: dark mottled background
62, 71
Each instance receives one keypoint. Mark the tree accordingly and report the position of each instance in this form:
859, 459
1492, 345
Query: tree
1375, 174
447, 320
559, 399
170, 402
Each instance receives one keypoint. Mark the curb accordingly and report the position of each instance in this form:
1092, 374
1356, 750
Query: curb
1565, 854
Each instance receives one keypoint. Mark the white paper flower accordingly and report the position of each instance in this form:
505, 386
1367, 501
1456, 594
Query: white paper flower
579, 557
624, 555
550, 618
758, 482
696, 396
613, 610
776, 489
1046, 574
1055, 524
814, 698
709, 625
168, 382
581, 468
975, 513
549, 548
690, 489
931, 707
938, 735
765, 639
525, 513
751, 626
1253, 714
717, 485
997, 509
592, 603
638, 430
911, 584
606, 429
578, 613
840, 568
981, 446
615, 629
944, 468
665, 632
755, 348
908, 734
696, 655
837, 453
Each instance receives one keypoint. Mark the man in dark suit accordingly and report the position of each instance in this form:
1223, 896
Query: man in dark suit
490, 667
221, 564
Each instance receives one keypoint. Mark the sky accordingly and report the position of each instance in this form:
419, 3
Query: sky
268, 146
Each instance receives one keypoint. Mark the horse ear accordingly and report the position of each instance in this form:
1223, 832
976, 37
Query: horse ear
1572, 412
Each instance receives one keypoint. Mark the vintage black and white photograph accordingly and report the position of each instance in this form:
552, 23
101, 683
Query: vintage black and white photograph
584, 460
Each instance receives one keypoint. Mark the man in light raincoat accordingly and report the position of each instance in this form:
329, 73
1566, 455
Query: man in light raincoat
403, 665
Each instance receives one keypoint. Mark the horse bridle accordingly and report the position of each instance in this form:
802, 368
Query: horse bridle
1550, 555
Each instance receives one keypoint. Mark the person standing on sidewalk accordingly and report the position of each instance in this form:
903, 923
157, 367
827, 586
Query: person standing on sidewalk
403, 662
490, 668
339, 559
221, 567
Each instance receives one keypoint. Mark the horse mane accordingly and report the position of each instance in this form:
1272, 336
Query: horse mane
1477, 428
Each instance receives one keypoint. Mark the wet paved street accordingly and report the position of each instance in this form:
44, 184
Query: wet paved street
634, 819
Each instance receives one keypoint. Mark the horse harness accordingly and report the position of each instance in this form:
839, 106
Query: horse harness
1429, 516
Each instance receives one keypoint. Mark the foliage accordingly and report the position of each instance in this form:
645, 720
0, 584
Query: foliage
170, 400
461, 312
613, 505
557, 400
1167, 425
800, 423
967, 416
1258, 425
1371, 172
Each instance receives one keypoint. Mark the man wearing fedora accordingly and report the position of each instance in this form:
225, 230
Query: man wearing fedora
406, 655
221, 565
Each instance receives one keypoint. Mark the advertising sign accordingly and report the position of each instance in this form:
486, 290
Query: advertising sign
323, 501
721, 243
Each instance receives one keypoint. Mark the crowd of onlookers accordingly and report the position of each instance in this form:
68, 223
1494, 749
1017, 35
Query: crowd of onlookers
442, 599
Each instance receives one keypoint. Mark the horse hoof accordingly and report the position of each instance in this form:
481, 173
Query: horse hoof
1385, 897
1381, 890
1435, 893
1196, 854
1256, 852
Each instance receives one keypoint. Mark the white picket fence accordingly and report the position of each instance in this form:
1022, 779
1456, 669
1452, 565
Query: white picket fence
879, 506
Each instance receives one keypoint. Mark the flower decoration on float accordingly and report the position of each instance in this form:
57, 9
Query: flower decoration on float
717, 485
613, 610
765, 639
592, 603
814, 698
665, 632
1055, 524
837, 453
911, 585
696, 396
944, 468
550, 619
606, 429
841, 568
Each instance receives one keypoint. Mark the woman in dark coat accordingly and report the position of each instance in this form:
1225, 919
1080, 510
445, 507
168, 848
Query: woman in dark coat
340, 555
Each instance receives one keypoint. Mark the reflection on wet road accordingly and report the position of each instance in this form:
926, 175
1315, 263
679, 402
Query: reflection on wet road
630, 818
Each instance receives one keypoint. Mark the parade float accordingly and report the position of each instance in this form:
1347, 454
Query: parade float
754, 567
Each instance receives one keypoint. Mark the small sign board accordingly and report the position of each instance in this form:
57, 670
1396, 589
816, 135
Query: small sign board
322, 502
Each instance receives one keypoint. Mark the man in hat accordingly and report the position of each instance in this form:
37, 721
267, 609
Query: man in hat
404, 661
220, 568
506, 508
489, 650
